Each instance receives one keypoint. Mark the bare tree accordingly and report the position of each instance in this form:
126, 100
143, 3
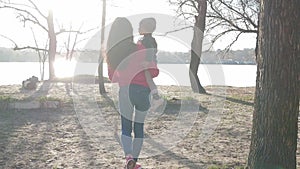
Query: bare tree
199, 7
30, 13
232, 18
215, 19
73, 40
42, 55
275, 117
42, 52
52, 44
101, 55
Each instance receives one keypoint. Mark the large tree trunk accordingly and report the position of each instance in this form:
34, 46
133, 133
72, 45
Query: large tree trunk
197, 47
275, 117
101, 57
52, 45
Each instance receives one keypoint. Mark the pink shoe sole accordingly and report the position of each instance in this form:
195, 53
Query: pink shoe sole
130, 163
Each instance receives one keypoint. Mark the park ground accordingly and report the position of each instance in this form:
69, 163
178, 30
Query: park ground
81, 131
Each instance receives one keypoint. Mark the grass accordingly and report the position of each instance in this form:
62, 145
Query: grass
243, 97
224, 167
47, 98
4, 98
4, 102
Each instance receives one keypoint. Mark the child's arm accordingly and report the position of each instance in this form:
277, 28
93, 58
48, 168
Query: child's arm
152, 85
150, 81
149, 74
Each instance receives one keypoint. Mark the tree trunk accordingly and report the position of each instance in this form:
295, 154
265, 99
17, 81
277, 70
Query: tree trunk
52, 45
100, 75
197, 47
101, 57
275, 117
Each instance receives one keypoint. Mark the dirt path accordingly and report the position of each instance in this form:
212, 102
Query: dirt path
195, 131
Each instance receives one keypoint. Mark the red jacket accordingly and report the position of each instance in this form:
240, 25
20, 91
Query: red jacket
134, 71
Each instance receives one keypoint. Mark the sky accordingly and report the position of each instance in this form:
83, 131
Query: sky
88, 13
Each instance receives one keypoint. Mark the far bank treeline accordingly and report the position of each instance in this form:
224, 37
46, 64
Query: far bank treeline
245, 56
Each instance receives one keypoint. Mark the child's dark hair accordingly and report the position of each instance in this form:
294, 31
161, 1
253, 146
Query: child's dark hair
148, 24
120, 43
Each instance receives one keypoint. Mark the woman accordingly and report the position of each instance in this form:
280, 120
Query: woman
125, 60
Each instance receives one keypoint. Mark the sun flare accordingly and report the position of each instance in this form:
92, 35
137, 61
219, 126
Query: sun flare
64, 68
66, 10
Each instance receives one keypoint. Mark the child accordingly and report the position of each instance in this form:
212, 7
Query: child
146, 28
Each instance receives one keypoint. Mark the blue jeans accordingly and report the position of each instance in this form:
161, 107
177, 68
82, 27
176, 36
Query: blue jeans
133, 100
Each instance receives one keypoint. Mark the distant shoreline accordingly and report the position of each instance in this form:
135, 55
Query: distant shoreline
203, 63
245, 56
171, 74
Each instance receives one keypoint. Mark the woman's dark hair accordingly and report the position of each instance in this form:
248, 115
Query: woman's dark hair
120, 43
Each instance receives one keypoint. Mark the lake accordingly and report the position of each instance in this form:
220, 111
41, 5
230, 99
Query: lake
170, 74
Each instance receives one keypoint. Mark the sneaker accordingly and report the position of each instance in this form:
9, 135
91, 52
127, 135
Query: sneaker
130, 163
155, 103
137, 166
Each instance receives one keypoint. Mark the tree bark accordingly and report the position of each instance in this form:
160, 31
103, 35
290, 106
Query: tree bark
197, 47
52, 44
275, 117
101, 56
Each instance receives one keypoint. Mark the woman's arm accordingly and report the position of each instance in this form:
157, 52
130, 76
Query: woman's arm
112, 74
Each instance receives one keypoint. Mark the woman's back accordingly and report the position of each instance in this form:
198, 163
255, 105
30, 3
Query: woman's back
120, 43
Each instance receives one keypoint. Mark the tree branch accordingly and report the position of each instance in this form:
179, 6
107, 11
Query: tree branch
176, 30
9, 40
232, 24
22, 48
37, 9
30, 47
75, 31
27, 18
233, 42
243, 15
226, 15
